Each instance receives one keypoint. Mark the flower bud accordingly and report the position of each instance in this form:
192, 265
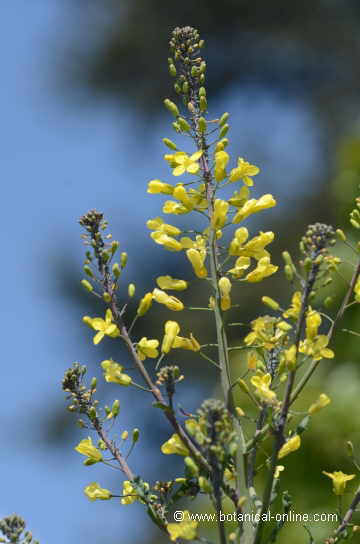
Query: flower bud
88, 271
114, 247
115, 408
135, 435
184, 125
289, 272
171, 107
87, 285
123, 259
243, 385
223, 118
93, 383
116, 270
172, 70
131, 290
224, 130
191, 466
170, 144
202, 124
204, 485
124, 435
203, 103
341, 235
270, 302
106, 297
239, 411
202, 91
185, 87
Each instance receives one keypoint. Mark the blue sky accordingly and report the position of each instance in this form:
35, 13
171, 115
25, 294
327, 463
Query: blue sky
58, 159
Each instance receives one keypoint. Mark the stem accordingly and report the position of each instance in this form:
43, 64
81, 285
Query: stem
113, 450
349, 514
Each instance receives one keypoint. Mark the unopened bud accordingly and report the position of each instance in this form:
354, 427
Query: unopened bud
223, 118
172, 70
203, 103
93, 383
191, 466
202, 124
115, 408
88, 271
124, 435
270, 302
106, 297
341, 235
131, 290
170, 144
204, 485
114, 246
171, 107
87, 285
224, 130
289, 272
116, 270
243, 385
184, 125
239, 411
135, 435
241, 501
123, 259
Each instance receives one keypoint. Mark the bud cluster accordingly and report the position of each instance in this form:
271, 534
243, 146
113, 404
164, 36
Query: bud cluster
13, 527
217, 429
81, 397
317, 239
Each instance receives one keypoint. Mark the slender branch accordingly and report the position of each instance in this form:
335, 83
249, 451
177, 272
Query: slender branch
113, 450
349, 514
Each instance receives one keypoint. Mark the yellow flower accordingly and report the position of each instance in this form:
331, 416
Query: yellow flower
291, 445
181, 195
197, 259
87, 448
174, 207
167, 282
169, 301
317, 348
129, 493
183, 163
290, 357
93, 491
156, 186
165, 240
262, 388
219, 216
295, 307
243, 171
184, 529
198, 243
253, 206
339, 480
240, 197
147, 348
241, 264
104, 326
263, 270
174, 445
113, 373
357, 290
255, 247
158, 224
225, 289
321, 403
267, 331
313, 322
221, 160
145, 304
240, 237
190, 344
172, 329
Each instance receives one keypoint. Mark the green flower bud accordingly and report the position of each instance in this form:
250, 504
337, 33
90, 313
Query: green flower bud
171, 107
116, 270
115, 408
191, 466
176, 126
194, 71
328, 301
287, 258
185, 87
88, 271
131, 290
105, 256
349, 448
124, 435
224, 130
243, 385
202, 91
202, 124
93, 383
204, 485
270, 302
184, 125
106, 297
114, 247
355, 223
203, 104
172, 70
202, 67
223, 118
201, 44
341, 235
170, 144
87, 285
123, 259
92, 413
307, 264
289, 272
190, 107
135, 435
